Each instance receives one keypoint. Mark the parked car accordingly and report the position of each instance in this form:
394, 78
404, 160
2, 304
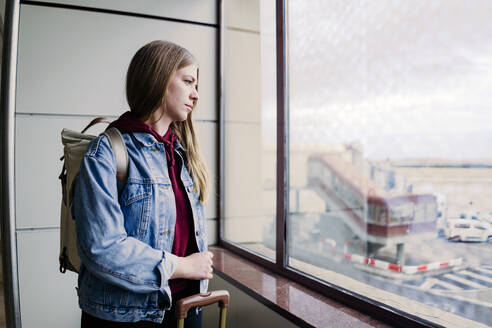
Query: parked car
468, 230
488, 220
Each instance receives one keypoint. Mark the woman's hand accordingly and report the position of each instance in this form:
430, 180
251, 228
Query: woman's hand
196, 266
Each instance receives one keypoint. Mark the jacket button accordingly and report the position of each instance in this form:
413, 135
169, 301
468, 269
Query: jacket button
197, 233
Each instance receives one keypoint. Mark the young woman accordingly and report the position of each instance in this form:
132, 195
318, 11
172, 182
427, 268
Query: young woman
143, 244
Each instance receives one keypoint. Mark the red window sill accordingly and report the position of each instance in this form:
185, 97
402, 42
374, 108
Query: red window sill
302, 306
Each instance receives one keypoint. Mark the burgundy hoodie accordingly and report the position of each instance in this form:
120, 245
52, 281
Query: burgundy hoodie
184, 239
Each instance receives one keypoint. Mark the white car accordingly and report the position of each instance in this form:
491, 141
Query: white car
468, 230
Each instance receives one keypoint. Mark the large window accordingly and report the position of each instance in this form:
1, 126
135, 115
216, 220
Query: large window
388, 155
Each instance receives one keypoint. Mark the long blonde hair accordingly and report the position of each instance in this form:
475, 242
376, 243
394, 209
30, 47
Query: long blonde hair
147, 80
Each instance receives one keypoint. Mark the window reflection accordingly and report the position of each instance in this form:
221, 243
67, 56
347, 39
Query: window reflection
250, 127
390, 137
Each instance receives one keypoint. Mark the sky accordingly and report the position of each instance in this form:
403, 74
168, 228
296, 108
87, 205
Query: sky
406, 79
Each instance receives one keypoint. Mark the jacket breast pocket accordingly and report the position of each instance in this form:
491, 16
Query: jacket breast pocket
135, 203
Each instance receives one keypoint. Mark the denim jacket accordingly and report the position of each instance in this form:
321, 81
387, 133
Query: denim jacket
125, 238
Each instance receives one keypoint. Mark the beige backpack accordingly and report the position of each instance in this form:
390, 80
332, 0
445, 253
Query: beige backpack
74, 148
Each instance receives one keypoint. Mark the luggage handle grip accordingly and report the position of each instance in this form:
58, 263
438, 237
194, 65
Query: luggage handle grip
203, 299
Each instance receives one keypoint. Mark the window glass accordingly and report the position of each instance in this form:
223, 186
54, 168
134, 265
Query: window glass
250, 126
390, 152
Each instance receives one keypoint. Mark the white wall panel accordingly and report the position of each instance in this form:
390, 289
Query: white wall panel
243, 170
243, 76
74, 62
204, 11
207, 138
243, 14
247, 213
37, 166
47, 297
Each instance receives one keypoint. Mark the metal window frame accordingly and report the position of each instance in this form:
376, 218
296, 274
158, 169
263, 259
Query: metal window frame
8, 91
350, 298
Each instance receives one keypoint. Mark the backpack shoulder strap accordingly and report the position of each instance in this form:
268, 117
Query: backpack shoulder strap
95, 121
120, 152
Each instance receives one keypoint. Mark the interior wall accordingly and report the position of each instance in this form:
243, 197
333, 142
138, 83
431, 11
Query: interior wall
71, 68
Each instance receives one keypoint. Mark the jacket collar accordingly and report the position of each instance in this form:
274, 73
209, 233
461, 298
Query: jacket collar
148, 140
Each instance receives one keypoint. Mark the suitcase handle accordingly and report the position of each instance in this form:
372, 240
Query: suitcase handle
203, 299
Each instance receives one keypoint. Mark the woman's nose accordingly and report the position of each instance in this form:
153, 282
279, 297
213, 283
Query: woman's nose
194, 95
